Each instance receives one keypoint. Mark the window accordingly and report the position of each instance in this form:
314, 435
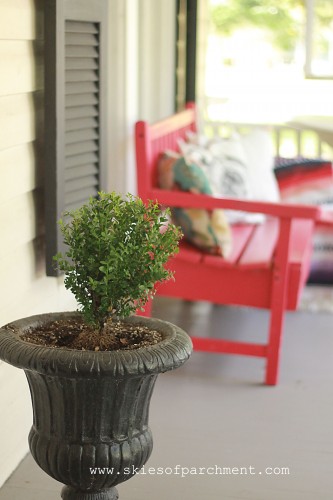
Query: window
319, 39
254, 61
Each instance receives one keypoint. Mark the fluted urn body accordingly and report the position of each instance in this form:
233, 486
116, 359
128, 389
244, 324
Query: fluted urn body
90, 409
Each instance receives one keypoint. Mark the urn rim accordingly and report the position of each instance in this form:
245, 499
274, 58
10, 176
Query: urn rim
168, 354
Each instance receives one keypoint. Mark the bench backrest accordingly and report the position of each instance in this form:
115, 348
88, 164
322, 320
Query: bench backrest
153, 140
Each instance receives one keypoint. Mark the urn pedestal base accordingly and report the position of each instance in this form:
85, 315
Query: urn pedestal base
69, 493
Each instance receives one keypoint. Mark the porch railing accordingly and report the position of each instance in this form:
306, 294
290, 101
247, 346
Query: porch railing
289, 141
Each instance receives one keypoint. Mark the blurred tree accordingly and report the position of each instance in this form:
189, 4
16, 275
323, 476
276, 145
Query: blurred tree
283, 19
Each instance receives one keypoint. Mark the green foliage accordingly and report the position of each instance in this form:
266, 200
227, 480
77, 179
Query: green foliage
117, 248
279, 17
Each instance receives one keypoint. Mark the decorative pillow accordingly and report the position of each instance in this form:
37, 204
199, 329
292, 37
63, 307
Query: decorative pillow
206, 229
288, 166
223, 161
321, 270
259, 152
305, 181
310, 181
240, 166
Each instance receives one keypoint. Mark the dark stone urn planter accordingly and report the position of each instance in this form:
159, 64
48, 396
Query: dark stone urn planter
90, 409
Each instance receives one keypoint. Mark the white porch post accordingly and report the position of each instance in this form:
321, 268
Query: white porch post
123, 92
157, 49
141, 78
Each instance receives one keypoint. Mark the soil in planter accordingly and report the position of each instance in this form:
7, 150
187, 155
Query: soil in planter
75, 334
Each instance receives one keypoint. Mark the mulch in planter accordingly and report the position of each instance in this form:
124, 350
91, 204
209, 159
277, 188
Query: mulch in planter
75, 334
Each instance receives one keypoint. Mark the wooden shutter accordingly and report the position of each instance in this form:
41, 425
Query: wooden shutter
75, 108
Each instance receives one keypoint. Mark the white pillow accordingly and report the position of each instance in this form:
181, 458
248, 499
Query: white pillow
259, 152
223, 161
240, 166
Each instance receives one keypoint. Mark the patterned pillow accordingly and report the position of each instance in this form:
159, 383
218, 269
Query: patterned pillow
304, 180
310, 181
223, 161
206, 229
240, 166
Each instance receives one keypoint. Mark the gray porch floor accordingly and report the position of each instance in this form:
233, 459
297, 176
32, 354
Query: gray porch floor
214, 412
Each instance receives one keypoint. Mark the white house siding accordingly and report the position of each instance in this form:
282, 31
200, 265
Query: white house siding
25, 290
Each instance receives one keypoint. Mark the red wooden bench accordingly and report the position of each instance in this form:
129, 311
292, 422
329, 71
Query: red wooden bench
269, 263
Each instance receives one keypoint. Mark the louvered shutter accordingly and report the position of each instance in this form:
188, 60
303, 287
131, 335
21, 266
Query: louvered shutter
75, 107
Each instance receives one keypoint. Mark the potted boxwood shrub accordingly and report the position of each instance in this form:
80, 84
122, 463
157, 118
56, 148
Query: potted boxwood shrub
91, 373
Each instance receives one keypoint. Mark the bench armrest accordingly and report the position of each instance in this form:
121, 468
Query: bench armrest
326, 218
190, 200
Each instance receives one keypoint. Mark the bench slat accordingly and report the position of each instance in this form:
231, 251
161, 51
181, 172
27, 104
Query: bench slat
301, 240
241, 233
260, 249
189, 253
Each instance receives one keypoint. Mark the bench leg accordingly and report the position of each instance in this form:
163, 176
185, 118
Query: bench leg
278, 301
274, 344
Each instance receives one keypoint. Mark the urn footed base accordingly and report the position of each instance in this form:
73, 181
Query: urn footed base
69, 493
